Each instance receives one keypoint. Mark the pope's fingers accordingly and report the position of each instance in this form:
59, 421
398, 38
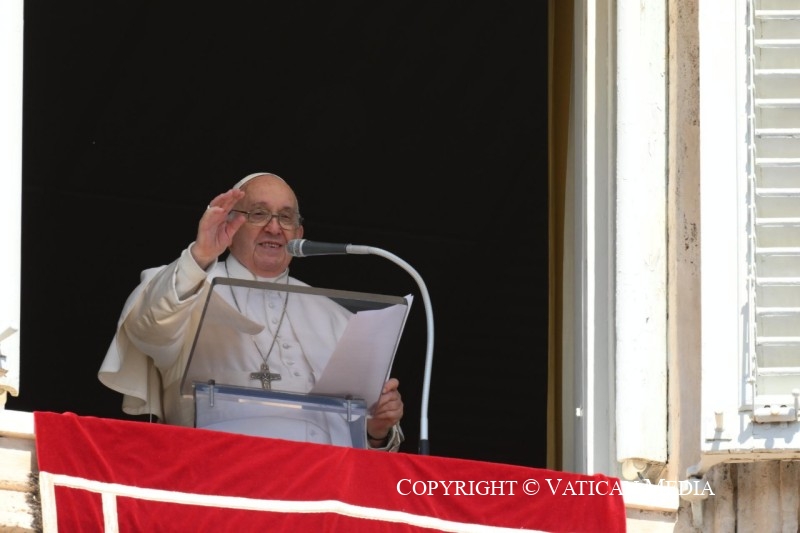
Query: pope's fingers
387, 404
213, 219
393, 416
218, 213
388, 397
394, 400
226, 201
390, 385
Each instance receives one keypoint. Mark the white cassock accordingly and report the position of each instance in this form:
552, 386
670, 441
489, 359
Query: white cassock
149, 353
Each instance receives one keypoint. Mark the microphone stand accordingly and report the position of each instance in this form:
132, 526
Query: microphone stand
424, 448
296, 248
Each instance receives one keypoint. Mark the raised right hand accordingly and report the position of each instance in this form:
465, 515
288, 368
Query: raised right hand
217, 228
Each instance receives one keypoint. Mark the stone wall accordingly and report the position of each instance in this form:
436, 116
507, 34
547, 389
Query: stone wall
19, 495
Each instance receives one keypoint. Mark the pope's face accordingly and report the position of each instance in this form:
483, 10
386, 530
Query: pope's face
262, 249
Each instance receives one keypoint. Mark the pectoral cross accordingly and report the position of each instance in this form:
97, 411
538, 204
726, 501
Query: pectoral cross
265, 376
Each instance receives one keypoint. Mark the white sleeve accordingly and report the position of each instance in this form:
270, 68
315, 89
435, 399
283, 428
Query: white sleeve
188, 276
158, 317
151, 329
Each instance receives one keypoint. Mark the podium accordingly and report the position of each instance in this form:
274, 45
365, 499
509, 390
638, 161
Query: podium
234, 409
347, 339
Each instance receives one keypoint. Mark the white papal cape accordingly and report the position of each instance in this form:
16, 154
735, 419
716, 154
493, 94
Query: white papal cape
150, 350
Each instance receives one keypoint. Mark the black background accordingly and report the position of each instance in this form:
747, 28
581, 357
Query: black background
417, 127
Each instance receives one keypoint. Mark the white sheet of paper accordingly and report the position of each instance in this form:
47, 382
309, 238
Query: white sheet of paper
362, 359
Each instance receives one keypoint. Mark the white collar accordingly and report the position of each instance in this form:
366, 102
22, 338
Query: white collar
235, 269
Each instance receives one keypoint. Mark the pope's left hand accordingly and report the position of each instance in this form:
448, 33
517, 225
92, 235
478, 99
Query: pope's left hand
387, 411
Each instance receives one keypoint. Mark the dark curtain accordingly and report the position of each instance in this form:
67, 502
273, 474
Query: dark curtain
416, 127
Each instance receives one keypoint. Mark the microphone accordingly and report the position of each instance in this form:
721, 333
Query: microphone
306, 248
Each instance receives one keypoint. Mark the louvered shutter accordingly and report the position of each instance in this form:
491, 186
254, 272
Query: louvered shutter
773, 373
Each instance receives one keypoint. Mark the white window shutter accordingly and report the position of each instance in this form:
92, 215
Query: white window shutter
750, 230
773, 368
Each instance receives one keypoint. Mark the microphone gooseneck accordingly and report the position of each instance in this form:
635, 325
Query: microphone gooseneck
305, 248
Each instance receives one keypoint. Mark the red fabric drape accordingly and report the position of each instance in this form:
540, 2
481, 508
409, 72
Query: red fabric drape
230, 482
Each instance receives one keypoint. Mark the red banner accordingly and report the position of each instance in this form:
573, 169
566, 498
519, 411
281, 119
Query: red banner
111, 475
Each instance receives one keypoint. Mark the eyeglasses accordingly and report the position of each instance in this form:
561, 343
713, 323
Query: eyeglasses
262, 217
